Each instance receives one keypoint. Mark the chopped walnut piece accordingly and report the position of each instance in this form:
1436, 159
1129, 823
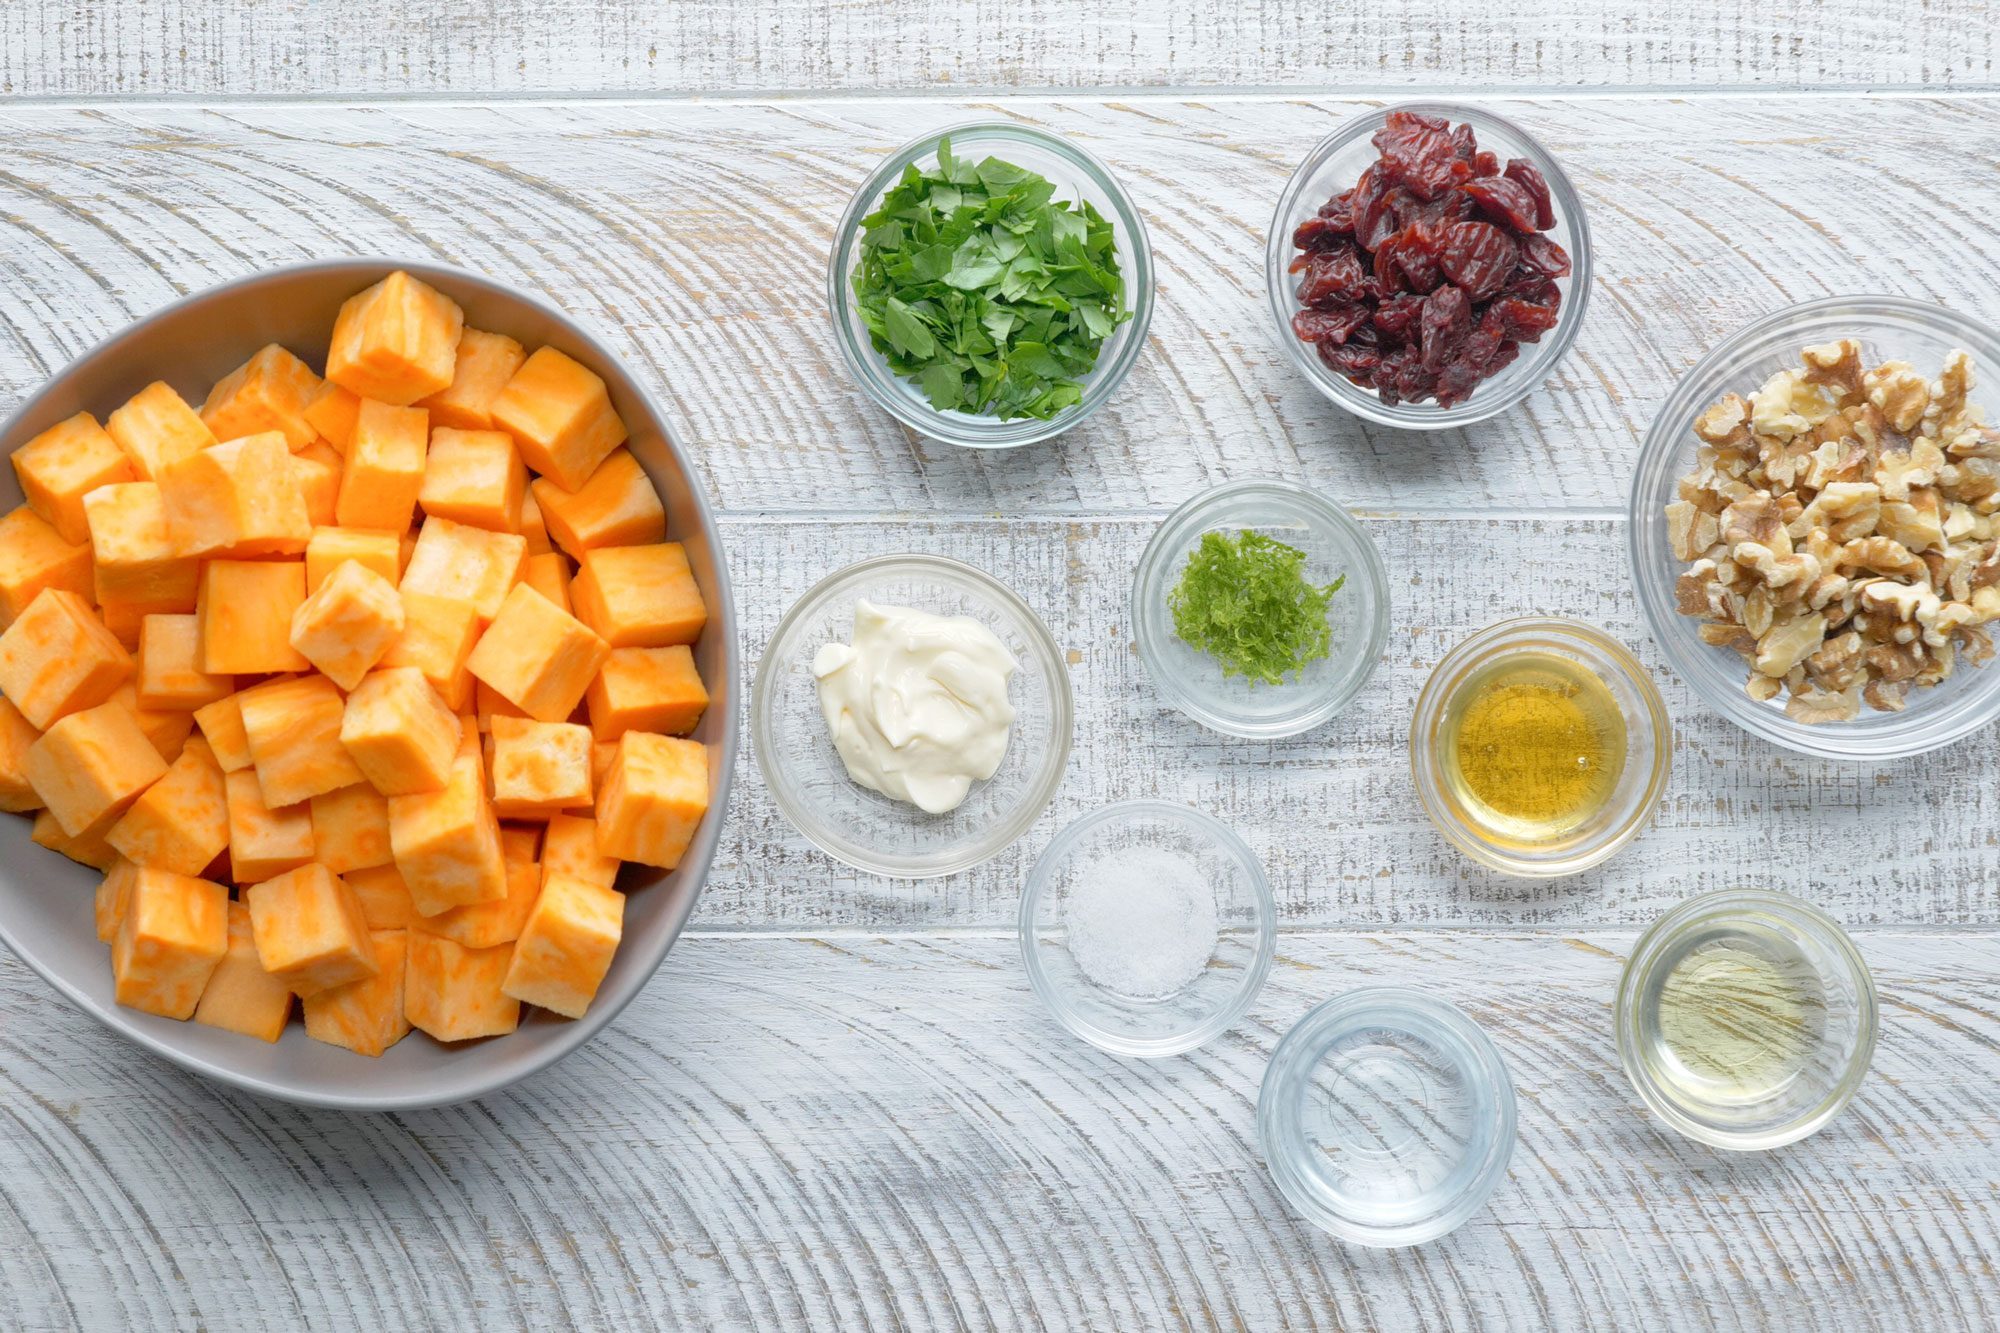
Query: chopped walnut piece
1899, 392
1835, 364
1814, 705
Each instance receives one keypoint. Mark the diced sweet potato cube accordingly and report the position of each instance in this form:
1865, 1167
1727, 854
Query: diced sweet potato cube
400, 733
539, 768
332, 415
371, 548
485, 362
532, 528
269, 392
647, 689
167, 728
569, 847
384, 897
63, 464
136, 564
548, 574
538, 656
90, 849
157, 427
453, 993
91, 765
475, 477
438, 636
345, 626
182, 820
560, 413
244, 609
310, 931
57, 658
483, 925
653, 799
294, 732
365, 1016
639, 596
170, 674
602, 755
17, 734
351, 829
566, 945
264, 841
447, 842
617, 506
241, 996
114, 893
521, 844
174, 932
395, 342
385, 467
318, 479
222, 724
466, 564
33, 557
238, 499
491, 704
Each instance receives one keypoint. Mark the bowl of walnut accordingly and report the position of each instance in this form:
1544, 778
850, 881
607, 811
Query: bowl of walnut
1816, 528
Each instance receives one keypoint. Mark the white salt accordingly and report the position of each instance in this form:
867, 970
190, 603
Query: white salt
1142, 921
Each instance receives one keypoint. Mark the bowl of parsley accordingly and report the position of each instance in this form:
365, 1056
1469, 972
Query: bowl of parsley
1260, 608
991, 285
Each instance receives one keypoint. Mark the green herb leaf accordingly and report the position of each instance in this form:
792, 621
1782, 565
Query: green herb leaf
1245, 601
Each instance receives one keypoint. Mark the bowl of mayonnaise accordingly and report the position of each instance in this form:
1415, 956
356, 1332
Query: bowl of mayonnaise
911, 716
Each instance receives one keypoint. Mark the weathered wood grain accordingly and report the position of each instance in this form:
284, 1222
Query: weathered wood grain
227, 48
1333, 814
695, 236
847, 1132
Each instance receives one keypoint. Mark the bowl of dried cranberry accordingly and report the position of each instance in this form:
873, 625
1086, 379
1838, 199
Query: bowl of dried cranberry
1428, 265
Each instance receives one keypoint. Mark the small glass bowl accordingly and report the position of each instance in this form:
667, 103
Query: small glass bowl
864, 828
1648, 748
1821, 1061
1888, 327
1334, 544
1333, 165
1077, 175
1387, 1116
1150, 1025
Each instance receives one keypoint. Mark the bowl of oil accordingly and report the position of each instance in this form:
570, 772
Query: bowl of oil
1540, 747
1746, 1019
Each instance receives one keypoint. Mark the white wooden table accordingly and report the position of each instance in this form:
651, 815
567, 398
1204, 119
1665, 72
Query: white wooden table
838, 1105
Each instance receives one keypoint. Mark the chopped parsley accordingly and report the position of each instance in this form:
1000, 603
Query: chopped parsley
1244, 601
986, 292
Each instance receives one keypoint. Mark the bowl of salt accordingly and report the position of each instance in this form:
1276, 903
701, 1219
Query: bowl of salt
1147, 928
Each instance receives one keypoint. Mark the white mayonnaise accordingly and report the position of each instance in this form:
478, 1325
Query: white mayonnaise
917, 704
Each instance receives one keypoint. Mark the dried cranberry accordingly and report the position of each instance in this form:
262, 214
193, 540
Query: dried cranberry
1464, 141
1529, 177
1485, 164
1501, 359
1352, 359
1544, 256
1418, 153
1333, 275
1333, 325
1503, 200
1523, 321
1478, 256
1338, 211
1447, 318
1396, 318
1409, 255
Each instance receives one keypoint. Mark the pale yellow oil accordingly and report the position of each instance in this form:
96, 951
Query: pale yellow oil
1736, 1019
1534, 745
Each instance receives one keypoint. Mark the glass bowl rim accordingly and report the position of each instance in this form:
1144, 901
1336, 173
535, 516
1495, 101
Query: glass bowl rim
1226, 840
1366, 404
1004, 834
1105, 378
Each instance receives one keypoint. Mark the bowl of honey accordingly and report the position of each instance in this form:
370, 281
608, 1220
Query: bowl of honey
1540, 747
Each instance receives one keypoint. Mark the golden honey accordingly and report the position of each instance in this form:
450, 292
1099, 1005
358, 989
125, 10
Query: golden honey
1534, 745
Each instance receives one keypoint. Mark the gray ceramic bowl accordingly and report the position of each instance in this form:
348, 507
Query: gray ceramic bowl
45, 900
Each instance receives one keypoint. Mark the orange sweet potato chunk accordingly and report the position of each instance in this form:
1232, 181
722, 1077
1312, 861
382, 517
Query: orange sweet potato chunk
438, 637
63, 464
560, 413
384, 467
167, 728
639, 596
264, 841
34, 557
453, 993
395, 342
345, 626
566, 945
617, 506
647, 689
174, 932
241, 996
351, 829
222, 724
384, 897
538, 656
135, 561
447, 842
91, 765
466, 564
521, 844
332, 415
548, 574
539, 768
294, 731
653, 799
399, 732
169, 674
237, 499
269, 392
569, 847
90, 849
485, 362
17, 794
244, 609
475, 477
483, 925
157, 427
371, 548
114, 894
365, 1016
309, 929
181, 822
317, 471
57, 658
